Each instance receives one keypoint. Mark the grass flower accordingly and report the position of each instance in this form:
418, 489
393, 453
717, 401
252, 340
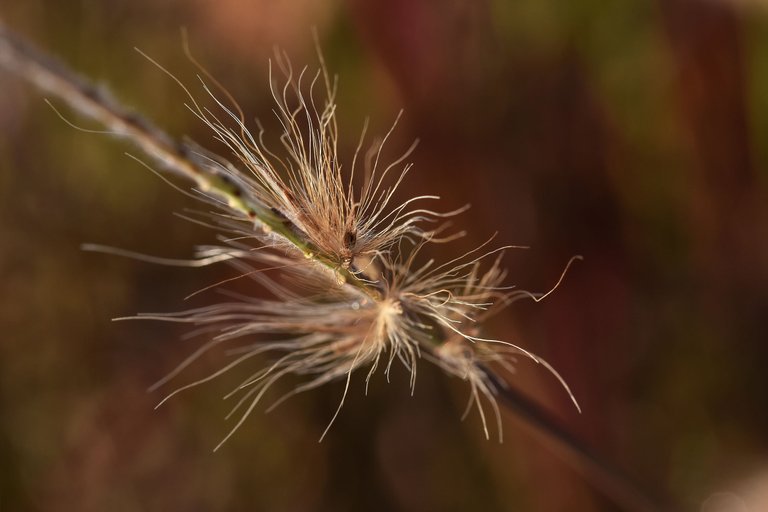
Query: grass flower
355, 296
353, 292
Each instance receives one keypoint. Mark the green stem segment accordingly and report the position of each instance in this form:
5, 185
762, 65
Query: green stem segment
271, 221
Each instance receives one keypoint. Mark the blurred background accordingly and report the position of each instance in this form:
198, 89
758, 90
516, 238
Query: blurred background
634, 133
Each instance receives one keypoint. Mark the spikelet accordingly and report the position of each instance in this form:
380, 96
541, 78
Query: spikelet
305, 187
320, 331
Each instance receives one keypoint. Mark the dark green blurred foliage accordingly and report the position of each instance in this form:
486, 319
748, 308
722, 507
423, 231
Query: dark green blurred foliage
633, 133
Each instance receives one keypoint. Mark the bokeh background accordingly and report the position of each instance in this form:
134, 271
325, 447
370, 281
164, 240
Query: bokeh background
634, 133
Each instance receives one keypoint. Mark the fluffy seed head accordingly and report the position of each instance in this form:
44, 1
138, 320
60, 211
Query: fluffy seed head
300, 214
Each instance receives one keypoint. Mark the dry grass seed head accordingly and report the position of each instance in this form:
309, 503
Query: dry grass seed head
322, 331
